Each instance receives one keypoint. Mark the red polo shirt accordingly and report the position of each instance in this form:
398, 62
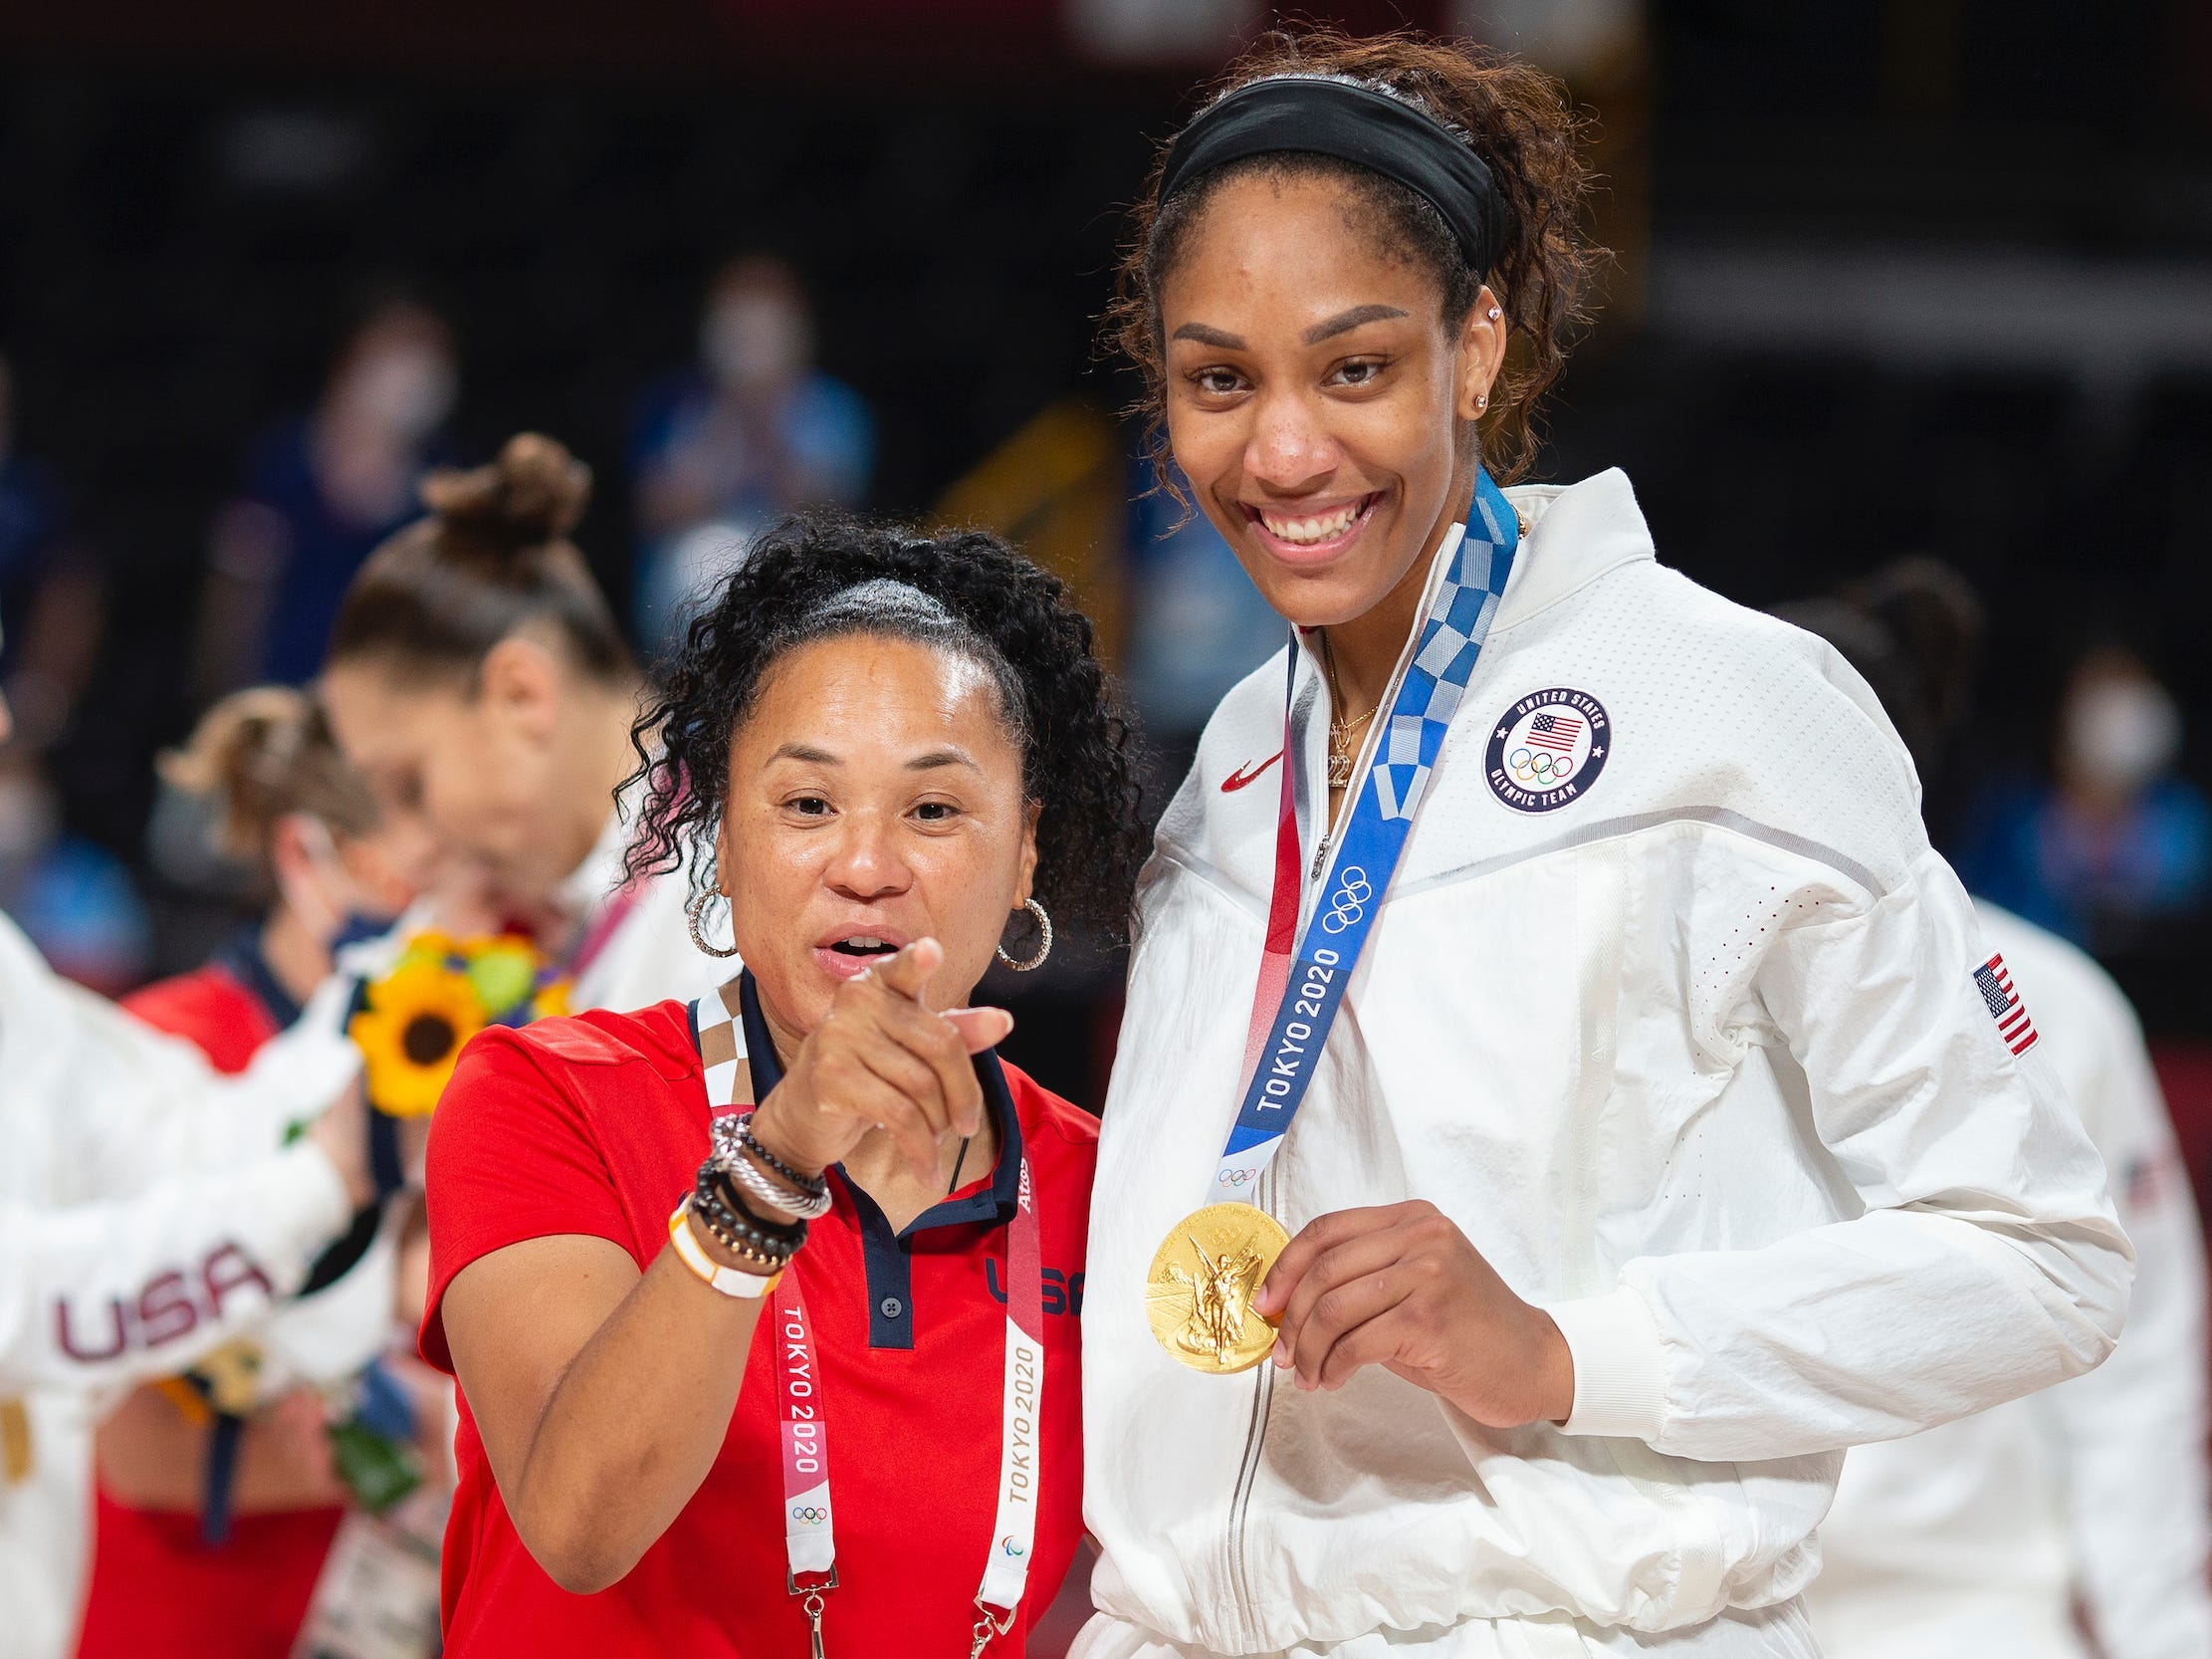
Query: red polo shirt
596, 1124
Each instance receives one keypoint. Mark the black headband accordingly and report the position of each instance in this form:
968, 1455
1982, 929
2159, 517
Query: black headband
1315, 116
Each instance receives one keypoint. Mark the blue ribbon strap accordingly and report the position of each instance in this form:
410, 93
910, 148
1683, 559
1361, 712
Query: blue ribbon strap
1403, 759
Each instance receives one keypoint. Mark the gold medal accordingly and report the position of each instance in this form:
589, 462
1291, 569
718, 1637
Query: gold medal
1198, 1295
15, 1443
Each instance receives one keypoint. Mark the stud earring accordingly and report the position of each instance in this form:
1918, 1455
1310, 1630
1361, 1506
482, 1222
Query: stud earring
1483, 401
1044, 944
1495, 314
696, 913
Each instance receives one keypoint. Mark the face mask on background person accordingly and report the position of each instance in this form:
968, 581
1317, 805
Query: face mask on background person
2119, 733
407, 390
752, 341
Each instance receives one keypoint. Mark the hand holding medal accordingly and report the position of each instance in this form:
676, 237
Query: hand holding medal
1399, 1286
1202, 1294
882, 1059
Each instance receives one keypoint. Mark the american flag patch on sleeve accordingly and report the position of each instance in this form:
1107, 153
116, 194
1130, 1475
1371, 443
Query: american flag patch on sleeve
2002, 996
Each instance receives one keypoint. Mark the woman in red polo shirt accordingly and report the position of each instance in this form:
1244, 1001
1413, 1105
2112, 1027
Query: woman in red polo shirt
892, 746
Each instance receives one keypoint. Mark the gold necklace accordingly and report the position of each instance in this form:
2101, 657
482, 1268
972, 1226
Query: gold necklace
1341, 747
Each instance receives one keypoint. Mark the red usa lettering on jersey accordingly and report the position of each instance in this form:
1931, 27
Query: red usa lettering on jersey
169, 1306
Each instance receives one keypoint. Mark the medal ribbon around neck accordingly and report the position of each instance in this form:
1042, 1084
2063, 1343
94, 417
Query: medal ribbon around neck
729, 1029
1301, 988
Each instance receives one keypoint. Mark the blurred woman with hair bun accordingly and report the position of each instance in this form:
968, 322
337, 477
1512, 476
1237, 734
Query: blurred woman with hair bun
480, 684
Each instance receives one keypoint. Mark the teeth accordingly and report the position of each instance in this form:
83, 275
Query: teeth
1319, 529
865, 944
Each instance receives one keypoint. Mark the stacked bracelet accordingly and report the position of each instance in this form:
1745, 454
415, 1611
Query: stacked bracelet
813, 1186
734, 1224
741, 1283
753, 1168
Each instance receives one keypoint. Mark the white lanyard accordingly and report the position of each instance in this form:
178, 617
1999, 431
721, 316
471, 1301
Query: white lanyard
809, 1531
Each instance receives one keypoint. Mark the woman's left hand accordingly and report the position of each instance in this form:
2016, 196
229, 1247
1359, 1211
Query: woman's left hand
1399, 1285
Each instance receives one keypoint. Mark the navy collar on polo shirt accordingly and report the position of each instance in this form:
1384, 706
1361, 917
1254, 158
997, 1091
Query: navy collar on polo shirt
890, 1269
243, 960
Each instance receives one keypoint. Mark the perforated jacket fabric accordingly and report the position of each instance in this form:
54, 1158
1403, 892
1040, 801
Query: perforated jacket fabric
1695, 1055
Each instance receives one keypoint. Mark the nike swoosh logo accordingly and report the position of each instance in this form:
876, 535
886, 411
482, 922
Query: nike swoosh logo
1247, 772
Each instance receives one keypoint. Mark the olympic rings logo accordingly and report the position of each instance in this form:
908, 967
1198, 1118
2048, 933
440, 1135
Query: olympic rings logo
809, 1514
1235, 1177
1542, 770
1349, 902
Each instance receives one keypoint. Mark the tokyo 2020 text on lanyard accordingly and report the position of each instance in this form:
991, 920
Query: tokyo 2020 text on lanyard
1209, 1266
809, 1535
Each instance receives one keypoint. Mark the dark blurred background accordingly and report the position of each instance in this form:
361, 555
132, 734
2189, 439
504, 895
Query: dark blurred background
1896, 277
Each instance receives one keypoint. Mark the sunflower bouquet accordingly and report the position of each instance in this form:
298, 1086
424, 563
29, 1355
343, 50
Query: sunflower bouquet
411, 1022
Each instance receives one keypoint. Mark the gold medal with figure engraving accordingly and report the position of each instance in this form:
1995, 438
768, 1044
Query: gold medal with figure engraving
1198, 1295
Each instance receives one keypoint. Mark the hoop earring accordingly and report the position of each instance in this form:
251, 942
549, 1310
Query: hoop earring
1045, 945
696, 910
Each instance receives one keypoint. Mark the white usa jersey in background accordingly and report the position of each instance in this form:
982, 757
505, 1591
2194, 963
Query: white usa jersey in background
1671, 1008
148, 1215
1973, 1540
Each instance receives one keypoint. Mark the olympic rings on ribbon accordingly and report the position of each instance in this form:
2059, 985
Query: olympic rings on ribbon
1237, 1177
1543, 768
809, 1514
1348, 903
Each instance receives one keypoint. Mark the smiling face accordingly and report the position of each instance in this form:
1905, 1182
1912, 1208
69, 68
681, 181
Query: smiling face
1315, 398
874, 799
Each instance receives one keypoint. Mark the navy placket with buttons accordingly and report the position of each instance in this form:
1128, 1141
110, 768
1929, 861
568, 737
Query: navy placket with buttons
886, 1253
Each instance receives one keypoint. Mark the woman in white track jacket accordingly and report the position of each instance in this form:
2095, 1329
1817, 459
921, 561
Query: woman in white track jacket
1673, 1134
149, 1212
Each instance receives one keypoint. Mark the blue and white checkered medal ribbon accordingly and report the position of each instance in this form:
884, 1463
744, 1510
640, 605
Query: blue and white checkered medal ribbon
1401, 755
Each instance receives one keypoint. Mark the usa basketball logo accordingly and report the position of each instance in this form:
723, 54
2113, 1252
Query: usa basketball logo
1548, 749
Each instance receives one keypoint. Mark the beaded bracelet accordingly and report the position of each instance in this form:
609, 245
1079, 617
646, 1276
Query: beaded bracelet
715, 1219
736, 1227
741, 1283
712, 1196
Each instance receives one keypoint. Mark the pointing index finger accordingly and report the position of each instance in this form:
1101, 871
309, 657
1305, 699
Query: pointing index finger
908, 971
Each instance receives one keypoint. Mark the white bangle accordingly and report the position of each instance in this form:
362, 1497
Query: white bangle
730, 1281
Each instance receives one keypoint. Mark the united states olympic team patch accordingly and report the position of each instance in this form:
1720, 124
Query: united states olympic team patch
1548, 749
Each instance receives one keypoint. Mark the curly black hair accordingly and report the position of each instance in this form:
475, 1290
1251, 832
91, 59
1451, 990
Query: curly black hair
816, 575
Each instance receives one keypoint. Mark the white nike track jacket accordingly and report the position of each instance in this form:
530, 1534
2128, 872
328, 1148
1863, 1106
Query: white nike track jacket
149, 1214
1673, 1011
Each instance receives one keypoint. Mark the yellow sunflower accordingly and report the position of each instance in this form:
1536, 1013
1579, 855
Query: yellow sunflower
552, 1000
411, 1032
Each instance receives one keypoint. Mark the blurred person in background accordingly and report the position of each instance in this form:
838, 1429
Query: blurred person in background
480, 686
284, 804
2118, 840
1199, 625
52, 598
152, 1210
322, 491
754, 431
73, 897
1982, 1536
1671, 1146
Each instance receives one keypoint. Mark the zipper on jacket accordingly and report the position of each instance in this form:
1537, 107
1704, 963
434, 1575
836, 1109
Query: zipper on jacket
1247, 1472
